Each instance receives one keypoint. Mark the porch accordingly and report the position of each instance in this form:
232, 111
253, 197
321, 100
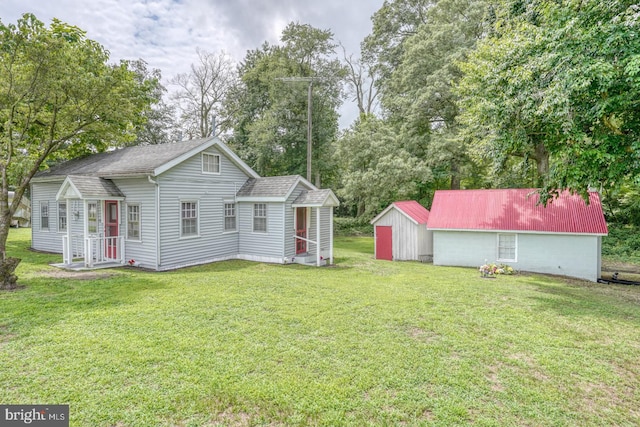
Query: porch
79, 252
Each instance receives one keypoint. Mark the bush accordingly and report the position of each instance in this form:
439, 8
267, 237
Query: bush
348, 226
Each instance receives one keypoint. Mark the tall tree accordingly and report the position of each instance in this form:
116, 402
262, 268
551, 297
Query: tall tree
160, 126
376, 168
270, 114
418, 93
362, 77
201, 92
559, 82
59, 98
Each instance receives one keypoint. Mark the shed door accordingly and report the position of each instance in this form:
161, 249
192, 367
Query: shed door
384, 242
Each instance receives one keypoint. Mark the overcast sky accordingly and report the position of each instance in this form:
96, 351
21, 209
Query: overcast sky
165, 33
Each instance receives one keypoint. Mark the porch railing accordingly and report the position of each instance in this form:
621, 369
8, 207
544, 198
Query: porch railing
94, 250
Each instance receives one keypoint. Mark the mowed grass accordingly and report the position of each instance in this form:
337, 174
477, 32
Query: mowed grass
364, 343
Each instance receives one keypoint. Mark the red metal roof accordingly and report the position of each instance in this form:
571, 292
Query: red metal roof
516, 210
414, 210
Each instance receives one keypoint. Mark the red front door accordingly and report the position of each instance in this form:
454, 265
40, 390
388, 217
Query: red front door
384, 242
111, 228
301, 230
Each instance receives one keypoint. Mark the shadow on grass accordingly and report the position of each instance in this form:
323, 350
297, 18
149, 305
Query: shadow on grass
580, 298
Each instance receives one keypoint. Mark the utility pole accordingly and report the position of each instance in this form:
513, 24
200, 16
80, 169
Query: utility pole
309, 104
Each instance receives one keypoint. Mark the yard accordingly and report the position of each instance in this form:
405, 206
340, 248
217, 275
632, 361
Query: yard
363, 343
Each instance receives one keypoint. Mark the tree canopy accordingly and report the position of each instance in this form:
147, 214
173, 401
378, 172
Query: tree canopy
559, 82
59, 98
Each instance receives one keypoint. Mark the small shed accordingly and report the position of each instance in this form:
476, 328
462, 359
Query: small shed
471, 227
401, 232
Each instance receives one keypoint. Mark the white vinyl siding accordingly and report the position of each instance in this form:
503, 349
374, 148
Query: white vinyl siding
260, 217
44, 216
230, 217
186, 182
410, 241
210, 163
189, 219
62, 217
133, 222
507, 247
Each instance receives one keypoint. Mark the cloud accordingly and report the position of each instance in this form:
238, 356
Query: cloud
166, 33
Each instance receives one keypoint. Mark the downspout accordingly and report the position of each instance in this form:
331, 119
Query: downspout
151, 181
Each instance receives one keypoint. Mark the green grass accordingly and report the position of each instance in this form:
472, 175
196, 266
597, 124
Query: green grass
364, 343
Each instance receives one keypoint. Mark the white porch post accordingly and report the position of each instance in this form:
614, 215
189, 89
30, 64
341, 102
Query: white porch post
331, 235
318, 237
69, 241
85, 234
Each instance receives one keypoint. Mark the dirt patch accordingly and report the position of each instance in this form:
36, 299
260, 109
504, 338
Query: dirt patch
77, 275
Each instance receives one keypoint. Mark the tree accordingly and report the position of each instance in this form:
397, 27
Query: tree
417, 94
160, 126
201, 93
59, 98
362, 80
376, 168
269, 115
559, 82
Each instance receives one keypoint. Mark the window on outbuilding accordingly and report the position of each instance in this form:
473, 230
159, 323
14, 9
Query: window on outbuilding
260, 217
210, 163
189, 219
507, 247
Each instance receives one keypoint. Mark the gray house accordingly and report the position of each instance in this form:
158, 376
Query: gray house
175, 205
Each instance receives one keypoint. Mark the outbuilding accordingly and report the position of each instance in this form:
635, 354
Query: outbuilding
510, 226
401, 232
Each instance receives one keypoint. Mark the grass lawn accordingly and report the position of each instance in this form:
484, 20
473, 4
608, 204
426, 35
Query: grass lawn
364, 343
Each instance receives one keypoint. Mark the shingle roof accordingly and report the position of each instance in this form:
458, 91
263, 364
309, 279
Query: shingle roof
141, 159
92, 186
414, 210
272, 186
316, 198
516, 210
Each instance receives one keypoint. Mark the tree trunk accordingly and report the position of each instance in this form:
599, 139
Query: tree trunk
8, 279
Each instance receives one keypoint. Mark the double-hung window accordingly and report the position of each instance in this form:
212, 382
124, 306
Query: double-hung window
188, 219
133, 222
62, 216
92, 220
210, 163
260, 217
44, 215
507, 247
229, 217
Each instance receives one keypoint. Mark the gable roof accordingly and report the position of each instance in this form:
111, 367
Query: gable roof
413, 210
516, 210
88, 187
316, 198
138, 160
271, 188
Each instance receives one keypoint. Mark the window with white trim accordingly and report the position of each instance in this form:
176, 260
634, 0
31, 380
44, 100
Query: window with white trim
507, 247
229, 217
133, 222
188, 219
92, 217
44, 215
62, 216
260, 217
210, 163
